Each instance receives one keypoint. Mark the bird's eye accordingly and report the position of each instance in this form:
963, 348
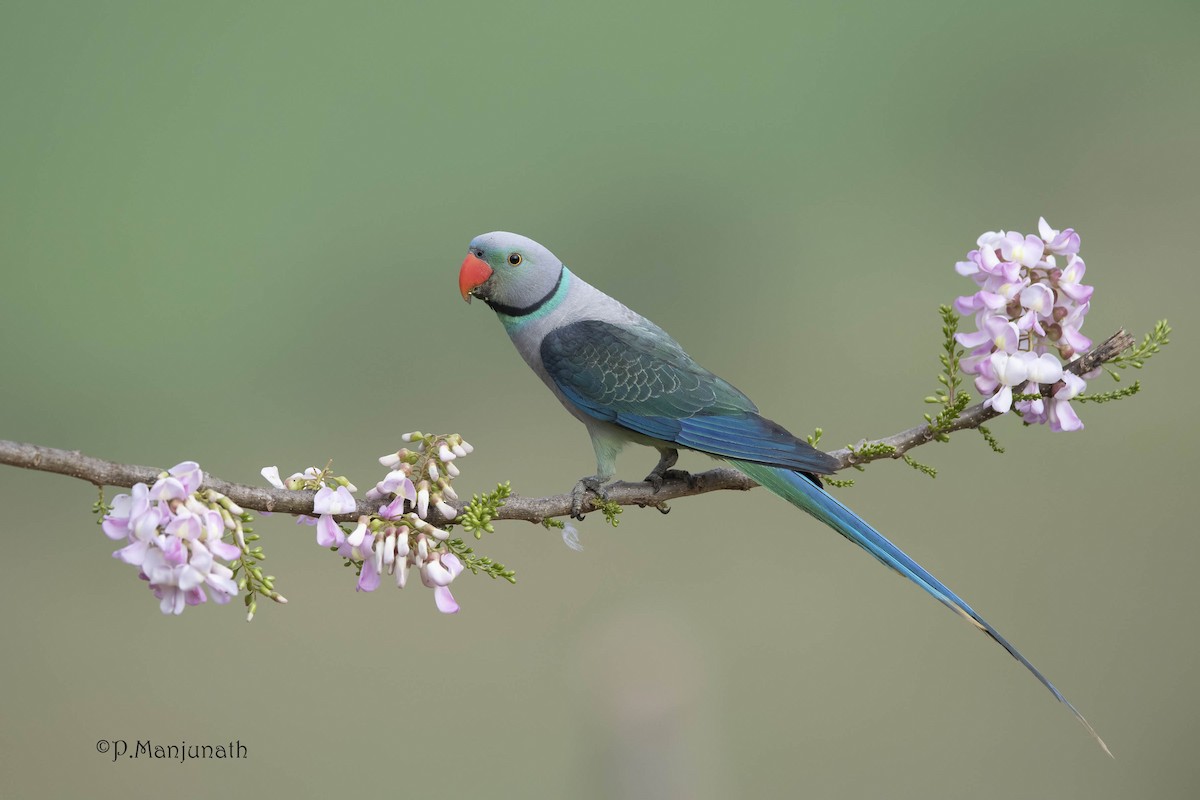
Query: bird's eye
514, 259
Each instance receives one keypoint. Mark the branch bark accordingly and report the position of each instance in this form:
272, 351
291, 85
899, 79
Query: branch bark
533, 509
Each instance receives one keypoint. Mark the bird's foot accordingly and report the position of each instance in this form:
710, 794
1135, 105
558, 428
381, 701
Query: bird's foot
662, 470
591, 484
657, 477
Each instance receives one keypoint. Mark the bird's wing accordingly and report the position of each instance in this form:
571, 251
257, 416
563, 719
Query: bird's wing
641, 379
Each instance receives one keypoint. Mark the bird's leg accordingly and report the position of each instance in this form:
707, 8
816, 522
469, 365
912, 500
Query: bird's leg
593, 484
606, 446
667, 456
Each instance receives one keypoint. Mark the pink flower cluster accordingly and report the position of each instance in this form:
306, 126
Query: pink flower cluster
1028, 310
398, 537
176, 539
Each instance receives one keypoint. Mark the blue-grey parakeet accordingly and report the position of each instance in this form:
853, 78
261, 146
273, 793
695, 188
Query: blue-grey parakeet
627, 380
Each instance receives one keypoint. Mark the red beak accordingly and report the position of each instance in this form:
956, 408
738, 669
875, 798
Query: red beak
474, 273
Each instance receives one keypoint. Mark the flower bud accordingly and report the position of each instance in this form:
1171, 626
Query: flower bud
360, 532
423, 499
377, 550
389, 547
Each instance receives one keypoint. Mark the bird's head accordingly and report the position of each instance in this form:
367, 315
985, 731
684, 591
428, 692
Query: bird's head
507, 270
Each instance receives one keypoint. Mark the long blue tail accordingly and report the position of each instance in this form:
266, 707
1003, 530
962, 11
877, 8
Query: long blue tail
807, 496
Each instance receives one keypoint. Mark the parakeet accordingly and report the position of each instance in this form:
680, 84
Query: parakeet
627, 380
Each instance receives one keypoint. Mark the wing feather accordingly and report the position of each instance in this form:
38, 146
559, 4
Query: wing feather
641, 379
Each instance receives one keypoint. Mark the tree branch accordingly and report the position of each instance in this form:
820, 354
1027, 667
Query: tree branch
978, 414
533, 509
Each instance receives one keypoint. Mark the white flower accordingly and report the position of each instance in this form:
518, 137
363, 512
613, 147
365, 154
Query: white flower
272, 476
1042, 369
1008, 371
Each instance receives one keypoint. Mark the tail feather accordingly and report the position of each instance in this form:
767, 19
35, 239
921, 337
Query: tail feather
809, 497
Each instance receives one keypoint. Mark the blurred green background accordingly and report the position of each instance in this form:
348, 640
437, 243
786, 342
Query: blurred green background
231, 231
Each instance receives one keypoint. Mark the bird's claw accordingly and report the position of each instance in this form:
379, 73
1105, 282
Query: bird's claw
579, 494
657, 478
662, 470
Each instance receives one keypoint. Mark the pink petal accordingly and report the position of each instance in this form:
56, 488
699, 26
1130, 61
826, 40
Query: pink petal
115, 528
435, 574
1045, 369
445, 601
173, 550
1038, 297
323, 501
1045, 230
967, 304
190, 578
185, 526
214, 526
1063, 417
189, 474
972, 339
1001, 401
1032, 251
1078, 292
1072, 386
394, 509
344, 501
1078, 342
224, 550
173, 601
368, 579
133, 554
168, 489
453, 564
329, 533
